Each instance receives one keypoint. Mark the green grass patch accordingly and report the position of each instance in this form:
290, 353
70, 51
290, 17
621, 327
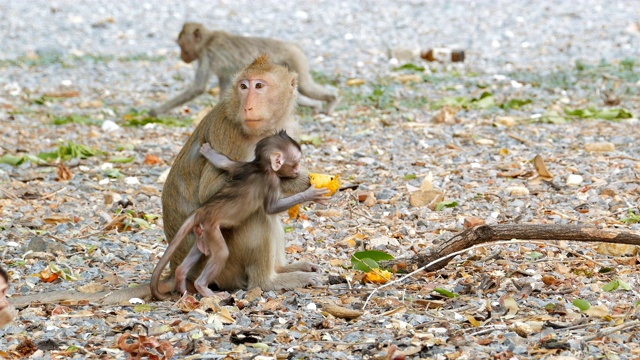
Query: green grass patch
67, 151
70, 150
141, 118
142, 57
74, 119
582, 74
324, 79
486, 100
611, 114
75, 60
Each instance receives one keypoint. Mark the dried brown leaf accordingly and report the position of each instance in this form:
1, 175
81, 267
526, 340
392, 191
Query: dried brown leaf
57, 219
341, 312
541, 168
152, 160
143, 346
63, 173
91, 288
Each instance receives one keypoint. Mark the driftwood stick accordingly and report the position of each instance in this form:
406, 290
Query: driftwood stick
489, 233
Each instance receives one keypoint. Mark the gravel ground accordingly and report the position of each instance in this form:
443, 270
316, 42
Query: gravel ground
111, 60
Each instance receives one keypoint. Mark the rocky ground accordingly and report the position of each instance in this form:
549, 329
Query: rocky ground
554, 80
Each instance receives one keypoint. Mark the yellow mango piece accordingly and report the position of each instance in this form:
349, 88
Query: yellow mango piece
293, 211
330, 182
377, 276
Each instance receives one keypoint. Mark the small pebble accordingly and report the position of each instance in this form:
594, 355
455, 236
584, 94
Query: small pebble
574, 179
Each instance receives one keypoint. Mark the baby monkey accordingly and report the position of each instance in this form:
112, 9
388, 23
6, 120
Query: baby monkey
253, 185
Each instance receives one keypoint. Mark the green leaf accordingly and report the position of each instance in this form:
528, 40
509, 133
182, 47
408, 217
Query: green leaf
374, 254
150, 217
441, 205
613, 114
48, 156
409, 177
583, 305
534, 255
364, 265
553, 117
121, 159
73, 119
69, 151
122, 147
34, 159
367, 260
485, 101
624, 285
632, 217
515, 103
72, 349
64, 273
113, 173
11, 159
91, 248
142, 308
445, 292
611, 285
581, 113
288, 229
605, 270
606, 114
313, 140
261, 346
141, 223
410, 66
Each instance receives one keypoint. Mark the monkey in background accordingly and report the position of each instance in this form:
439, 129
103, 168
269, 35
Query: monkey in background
224, 54
253, 185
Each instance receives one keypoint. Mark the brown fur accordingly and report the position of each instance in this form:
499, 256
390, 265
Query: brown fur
253, 185
192, 181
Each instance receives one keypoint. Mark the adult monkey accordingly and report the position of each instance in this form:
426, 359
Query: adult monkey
224, 54
256, 247
261, 101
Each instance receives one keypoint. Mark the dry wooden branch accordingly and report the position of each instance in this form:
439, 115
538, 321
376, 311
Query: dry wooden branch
490, 233
439, 256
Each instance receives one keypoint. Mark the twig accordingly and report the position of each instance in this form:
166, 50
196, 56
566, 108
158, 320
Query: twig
515, 137
44, 197
625, 182
10, 195
453, 254
489, 328
366, 215
611, 330
574, 253
624, 158
555, 212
